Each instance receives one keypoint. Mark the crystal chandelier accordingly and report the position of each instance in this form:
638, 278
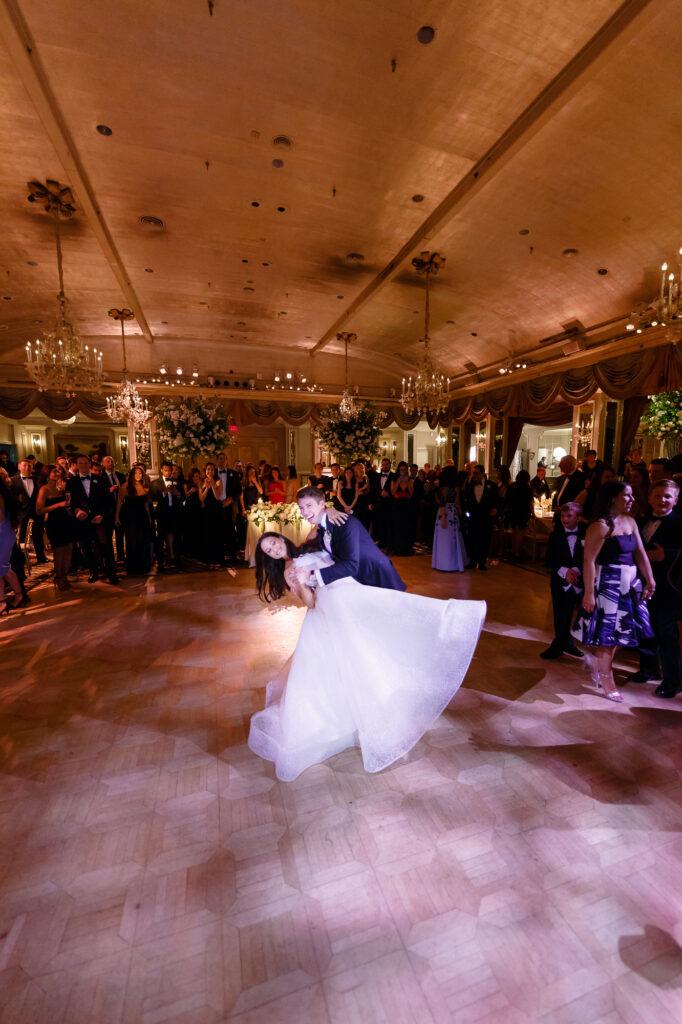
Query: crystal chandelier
60, 362
347, 406
125, 405
427, 393
582, 432
663, 309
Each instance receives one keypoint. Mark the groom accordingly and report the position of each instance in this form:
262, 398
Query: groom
355, 553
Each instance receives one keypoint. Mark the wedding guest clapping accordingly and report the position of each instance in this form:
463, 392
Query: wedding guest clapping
168, 497
251, 489
210, 496
54, 503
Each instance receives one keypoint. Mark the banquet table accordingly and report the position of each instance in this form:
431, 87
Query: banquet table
296, 532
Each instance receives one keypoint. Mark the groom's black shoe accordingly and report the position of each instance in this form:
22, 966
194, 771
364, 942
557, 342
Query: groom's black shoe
667, 691
572, 651
553, 651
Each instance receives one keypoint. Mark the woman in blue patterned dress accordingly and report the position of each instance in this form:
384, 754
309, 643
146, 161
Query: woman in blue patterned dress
613, 613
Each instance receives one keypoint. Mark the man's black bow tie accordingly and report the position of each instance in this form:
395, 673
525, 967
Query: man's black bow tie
571, 533
85, 477
27, 478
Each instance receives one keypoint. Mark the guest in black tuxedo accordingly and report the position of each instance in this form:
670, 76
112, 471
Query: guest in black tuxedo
232, 489
25, 489
480, 503
539, 485
382, 500
168, 498
89, 504
661, 534
565, 561
319, 480
355, 554
568, 486
113, 481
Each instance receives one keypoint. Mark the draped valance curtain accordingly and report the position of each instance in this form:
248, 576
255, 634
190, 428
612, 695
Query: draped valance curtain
540, 400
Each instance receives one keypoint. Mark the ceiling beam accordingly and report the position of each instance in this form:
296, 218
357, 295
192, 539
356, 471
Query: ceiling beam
625, 23
23, 51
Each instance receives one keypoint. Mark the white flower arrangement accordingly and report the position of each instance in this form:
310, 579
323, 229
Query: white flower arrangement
191, 427
348, 439
265, 514
663, 418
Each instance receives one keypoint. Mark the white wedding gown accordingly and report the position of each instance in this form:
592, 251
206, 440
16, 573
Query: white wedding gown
373, 668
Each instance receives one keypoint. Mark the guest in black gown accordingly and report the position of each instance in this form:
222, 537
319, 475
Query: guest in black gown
348, 490
211, 498
192, 517
133, 512
53, 502
362, 507
402, 519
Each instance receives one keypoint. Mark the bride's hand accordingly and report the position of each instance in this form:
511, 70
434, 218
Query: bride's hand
335, 517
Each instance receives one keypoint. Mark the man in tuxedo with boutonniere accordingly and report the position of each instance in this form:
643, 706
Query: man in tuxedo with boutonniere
24, 486
88, 502
354, 552
661, 534
565, 561
168, 501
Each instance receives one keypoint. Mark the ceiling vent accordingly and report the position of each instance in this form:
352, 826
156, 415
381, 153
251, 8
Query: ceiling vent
282, 142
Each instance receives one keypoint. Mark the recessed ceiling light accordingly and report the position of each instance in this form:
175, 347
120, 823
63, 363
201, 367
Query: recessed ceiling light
164, 321
277, 163
255, 134
449, 321
248, 288
281, 209
602, 271
202, 303
4, 327
7, 298
474, 334
104, 129
148, 270
524, 231
154, 223
282, 142
282, 312
425, 34
241, 323
265, 264
255, 203
355, 257
417, 198
31, 263
37, 321
245, 261
570, 253
339, 296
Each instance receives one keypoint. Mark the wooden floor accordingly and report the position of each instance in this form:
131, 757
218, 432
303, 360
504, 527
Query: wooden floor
523, 864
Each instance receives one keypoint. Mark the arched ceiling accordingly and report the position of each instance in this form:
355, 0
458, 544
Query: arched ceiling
195, 95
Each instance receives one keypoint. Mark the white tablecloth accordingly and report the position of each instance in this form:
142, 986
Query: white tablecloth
254, 533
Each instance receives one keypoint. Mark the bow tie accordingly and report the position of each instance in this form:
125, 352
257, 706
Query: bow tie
85, 477
27, 478
571, 533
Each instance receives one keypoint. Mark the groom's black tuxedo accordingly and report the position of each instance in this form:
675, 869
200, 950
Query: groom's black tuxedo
356, 554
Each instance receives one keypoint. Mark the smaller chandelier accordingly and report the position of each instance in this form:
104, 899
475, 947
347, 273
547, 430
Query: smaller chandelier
347, 406
428, 392
663, 309
60, 362
582, 432
125, 405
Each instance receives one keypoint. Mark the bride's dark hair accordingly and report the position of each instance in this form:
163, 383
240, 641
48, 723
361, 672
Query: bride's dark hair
270, 581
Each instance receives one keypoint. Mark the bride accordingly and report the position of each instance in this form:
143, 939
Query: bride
373, 667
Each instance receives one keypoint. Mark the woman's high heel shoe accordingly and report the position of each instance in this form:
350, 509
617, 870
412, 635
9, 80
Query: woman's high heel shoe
614, 695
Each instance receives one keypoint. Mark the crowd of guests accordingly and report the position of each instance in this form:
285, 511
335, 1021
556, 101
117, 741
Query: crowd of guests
617, 539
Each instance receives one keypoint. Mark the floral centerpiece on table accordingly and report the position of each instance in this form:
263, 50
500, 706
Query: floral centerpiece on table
352, 437
268, 514
663, 418
189, 427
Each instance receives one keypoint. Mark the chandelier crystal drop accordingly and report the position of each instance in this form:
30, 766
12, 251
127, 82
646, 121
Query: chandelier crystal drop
125, 405
428, 392
61, 362
347, 405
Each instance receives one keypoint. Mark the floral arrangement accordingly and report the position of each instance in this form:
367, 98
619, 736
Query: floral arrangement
663, 418
266, 514
349, 438
190, 427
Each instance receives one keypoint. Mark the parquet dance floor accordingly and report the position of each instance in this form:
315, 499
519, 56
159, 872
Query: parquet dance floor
522, 864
